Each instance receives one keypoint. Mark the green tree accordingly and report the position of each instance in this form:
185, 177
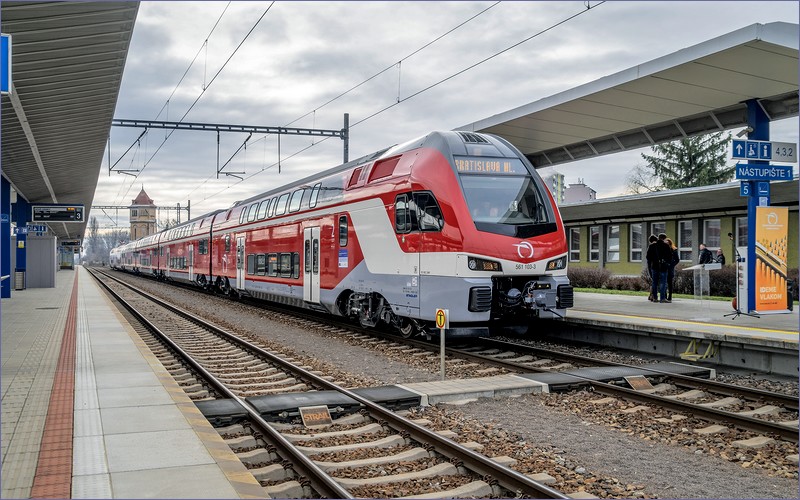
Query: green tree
690, 162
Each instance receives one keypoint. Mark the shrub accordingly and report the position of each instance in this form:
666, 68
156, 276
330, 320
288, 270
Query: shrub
635, 283
722, 282
588, 277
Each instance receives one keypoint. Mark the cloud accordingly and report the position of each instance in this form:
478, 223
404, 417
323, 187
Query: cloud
304, 54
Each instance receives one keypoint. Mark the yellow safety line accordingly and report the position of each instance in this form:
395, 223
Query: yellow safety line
788, 332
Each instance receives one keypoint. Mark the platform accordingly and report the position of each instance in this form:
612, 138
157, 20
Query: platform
100, 418
687, 328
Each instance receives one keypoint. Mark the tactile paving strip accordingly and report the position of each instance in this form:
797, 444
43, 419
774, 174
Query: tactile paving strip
53, 477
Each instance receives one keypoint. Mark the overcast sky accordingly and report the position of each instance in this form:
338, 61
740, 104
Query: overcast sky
303, 54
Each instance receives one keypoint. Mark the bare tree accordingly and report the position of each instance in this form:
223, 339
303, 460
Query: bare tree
642, 180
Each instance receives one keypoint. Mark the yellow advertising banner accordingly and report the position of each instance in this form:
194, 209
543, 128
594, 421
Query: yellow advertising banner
772, 240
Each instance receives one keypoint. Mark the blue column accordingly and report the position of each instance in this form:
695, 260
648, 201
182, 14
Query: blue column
5, 238
758, 121
22, 215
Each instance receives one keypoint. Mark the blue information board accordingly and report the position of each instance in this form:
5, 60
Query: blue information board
5, 63
763, 172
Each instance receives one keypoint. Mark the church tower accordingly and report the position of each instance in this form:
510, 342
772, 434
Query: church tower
143, 216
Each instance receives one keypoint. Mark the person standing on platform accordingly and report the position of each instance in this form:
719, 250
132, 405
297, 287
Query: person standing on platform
674, 261
652, 265
720, 258
663, 260
705, 255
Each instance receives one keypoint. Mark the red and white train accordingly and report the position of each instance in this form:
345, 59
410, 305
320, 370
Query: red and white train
452, 220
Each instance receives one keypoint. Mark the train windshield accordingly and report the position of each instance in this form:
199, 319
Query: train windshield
502, 191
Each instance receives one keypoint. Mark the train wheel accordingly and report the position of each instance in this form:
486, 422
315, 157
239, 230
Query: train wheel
407, 327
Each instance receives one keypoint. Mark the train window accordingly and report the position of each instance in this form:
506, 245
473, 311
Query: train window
286, 265
343, 231
202, 246
297, 196
383, 168
261, 264
251, 214
242, 214
314, 195
402, 215
227, 243
354, 178
429, 215
262, 210
272, 204
272, 264
282, 204
315, 256
307, 256
251, 263
295, 265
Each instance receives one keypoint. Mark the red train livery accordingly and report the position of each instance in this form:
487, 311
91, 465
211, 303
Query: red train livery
452, 220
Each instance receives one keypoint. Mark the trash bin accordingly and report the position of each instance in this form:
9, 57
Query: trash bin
19, 280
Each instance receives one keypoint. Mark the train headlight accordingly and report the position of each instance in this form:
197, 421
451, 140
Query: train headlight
476, 264
559, 263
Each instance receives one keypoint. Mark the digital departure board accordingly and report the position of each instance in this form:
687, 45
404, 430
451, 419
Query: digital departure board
57, 213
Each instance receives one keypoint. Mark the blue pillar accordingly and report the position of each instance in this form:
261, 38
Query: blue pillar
758, 121
5, 238
22, 215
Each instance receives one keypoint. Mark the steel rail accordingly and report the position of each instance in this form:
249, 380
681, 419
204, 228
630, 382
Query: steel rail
319, 480
506, 477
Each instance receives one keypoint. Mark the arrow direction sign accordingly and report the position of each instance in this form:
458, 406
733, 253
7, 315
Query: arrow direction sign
764, 150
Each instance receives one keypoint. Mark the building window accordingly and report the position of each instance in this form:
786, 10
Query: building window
134, 213
685, 240
612, 244
741, 231
594, 244
575, 244
636, 242
711, 233
658, 228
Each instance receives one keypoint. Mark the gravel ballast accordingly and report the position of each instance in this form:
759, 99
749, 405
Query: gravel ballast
663, 470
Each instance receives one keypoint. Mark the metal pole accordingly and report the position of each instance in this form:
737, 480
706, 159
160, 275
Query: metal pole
217, 154
346, 137
188, 209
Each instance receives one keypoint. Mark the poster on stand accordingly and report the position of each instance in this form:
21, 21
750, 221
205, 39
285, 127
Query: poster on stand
772, 240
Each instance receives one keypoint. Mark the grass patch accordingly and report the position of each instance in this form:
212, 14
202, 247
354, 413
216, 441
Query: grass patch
606, 291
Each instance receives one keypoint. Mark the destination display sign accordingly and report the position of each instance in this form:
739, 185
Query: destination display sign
57, 213
764, 172
494, 166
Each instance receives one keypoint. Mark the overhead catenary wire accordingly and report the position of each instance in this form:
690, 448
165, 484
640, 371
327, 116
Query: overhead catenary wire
206, 87
367, 80
587, 8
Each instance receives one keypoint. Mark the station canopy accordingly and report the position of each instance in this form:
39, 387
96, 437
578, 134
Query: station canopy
67, 63
697, 90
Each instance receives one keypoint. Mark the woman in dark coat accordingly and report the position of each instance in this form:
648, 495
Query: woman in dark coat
671, 272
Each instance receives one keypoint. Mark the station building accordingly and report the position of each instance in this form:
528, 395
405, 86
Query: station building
612, 233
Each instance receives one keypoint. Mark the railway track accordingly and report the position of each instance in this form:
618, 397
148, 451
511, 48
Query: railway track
295, 461
763, 412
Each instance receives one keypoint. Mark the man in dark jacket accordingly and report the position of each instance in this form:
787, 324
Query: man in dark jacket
705, 256
663, 254
652, 265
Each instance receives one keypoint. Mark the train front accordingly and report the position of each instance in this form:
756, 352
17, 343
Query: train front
514, 250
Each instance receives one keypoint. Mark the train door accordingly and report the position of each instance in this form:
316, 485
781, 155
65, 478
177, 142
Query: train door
240, 262
311, 264
168, 264
191, 262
